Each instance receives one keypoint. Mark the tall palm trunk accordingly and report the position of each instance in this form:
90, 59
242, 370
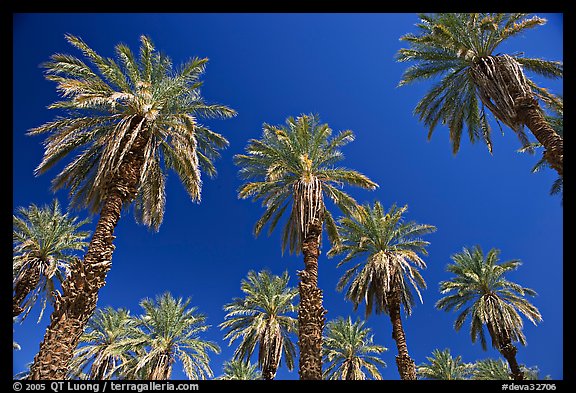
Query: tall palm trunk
405, 364
508, 350
531, 114
505, 90
23, 287
310, 311
79, 296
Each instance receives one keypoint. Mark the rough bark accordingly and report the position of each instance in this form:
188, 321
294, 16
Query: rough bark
405, 364
504, 345
505, 90
75, 305
529, 113
508, 350
310, 311
23, 287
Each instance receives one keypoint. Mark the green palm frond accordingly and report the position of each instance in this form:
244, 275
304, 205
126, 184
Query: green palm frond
169, 331
293, 165
442, 366
389, 251
99, 349
111, 107
238, 370
263, 318
349, 351
451, 47
481, 290
498, 369
45, 241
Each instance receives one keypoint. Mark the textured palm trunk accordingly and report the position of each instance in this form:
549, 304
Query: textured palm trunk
530, 114
23, 288
75, 305
508, 350
405, 364
505, 90
310, 311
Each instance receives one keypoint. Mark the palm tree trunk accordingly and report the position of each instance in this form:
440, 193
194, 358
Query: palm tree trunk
79, 296
405, 364
23, 287
310, 311
508, 350
530, 114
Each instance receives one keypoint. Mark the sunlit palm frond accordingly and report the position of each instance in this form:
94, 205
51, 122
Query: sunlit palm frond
388, 249
480, 288
138, 103
349, 351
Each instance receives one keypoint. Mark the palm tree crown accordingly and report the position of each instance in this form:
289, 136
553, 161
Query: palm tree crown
443, 366
349, 349
262, 317
389, 250
295, 165
138, 109
169, 331
99, 345
238, 370
461, 47
480, 289
44, 243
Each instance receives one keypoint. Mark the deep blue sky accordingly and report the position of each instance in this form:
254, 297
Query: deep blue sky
341, 66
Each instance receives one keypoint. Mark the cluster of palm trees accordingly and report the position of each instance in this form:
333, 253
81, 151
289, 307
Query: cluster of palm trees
443, 366
134, 118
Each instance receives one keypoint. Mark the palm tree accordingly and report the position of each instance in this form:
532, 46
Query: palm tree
480, 289
240, 370
443, 366
388, 248
263, 318
130, 122
556, 122
104, 331
169, 331
461, 47
294, 165
44, 243
348, 349
491, 369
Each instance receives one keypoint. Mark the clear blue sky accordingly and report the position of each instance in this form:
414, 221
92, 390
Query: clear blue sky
341, 66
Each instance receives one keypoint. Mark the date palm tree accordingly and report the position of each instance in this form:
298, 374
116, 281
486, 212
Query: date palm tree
45, 241
461, 47
239, 370
349, 349
130, 122
169, 330
557, 123
442, 366
262, 317
294, 166
99, 344
388, 249
479, 288
492, 369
